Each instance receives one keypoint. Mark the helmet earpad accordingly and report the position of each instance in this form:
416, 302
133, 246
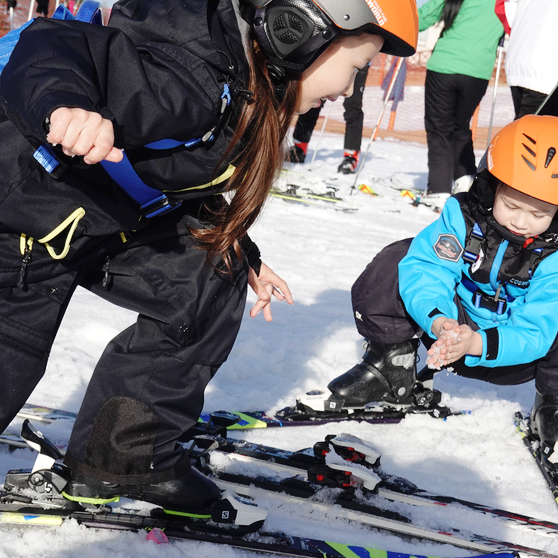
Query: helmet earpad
292, 33
288, 28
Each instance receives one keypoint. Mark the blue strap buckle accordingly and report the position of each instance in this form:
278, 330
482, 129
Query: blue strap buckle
158, 206
496, 305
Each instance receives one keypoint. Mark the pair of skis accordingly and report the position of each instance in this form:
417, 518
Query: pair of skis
343, 464
303, 188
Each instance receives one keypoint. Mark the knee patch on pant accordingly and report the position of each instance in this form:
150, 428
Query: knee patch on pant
122, 438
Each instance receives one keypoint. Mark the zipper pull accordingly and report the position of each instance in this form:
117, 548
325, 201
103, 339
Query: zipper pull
497, 295
106, 278
23, 271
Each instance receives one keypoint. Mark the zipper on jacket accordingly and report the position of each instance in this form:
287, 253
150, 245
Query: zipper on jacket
106, 278
26, 260
497, 264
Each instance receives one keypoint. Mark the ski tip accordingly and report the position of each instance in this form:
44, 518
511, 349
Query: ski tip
408, 194
365, 189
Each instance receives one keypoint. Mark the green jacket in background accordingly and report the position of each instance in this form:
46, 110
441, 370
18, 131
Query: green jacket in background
469, 46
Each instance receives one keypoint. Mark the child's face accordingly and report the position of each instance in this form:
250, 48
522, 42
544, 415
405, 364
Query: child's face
333, 73
521, 214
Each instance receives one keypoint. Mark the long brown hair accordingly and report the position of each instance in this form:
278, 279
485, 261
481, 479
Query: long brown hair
259, 154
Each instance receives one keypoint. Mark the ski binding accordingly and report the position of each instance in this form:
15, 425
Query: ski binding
43, 487
322, 402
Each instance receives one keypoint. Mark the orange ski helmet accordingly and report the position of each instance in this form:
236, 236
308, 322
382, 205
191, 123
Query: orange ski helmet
524, 155
293, 33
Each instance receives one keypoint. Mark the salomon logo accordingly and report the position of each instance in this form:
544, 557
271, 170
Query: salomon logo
225, 515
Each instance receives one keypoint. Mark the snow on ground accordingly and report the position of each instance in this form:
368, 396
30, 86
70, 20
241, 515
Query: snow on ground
320, 253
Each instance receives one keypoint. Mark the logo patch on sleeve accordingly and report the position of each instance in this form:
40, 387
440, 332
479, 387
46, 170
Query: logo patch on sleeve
447, 247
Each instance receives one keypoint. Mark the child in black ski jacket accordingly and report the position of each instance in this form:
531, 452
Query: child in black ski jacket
199, 95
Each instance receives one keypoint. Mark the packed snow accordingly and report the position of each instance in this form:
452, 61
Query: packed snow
320, 252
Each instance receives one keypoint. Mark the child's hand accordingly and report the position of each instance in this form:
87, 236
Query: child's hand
454, 342
82, 132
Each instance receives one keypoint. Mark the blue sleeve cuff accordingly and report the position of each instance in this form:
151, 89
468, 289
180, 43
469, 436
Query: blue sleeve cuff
472, 360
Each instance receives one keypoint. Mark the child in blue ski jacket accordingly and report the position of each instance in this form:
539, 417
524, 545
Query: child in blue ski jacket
479, 286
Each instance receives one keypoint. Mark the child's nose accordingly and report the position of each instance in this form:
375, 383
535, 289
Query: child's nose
519, 222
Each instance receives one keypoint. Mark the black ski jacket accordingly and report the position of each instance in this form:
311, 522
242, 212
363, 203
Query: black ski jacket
157, 71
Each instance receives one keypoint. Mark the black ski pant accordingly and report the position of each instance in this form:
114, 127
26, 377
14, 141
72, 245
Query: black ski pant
526, 101
450, 101
148, 386
353, 115
381, 317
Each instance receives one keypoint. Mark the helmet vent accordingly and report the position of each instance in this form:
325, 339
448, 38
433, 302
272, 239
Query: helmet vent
531, 152
529, 164
549, 156
295, 23
530, 139
288, 28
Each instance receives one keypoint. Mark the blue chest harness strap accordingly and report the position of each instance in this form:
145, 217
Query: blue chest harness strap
497, 303
474, 244
152, 202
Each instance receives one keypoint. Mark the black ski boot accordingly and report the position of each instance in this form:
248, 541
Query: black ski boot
544, 423
349, 163
192, 493
387, 374
296, 155
193, 498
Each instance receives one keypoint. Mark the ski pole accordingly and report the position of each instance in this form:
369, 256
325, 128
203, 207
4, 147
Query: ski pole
498, 67
321, 133
31, 6
376, 127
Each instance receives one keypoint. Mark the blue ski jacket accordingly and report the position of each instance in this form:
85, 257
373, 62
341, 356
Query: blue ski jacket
434, 272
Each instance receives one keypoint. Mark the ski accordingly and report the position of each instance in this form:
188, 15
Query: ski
533, 443
317, 463
315, 407
312, 461
44, 414
267, 543
289, 416
366, 514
